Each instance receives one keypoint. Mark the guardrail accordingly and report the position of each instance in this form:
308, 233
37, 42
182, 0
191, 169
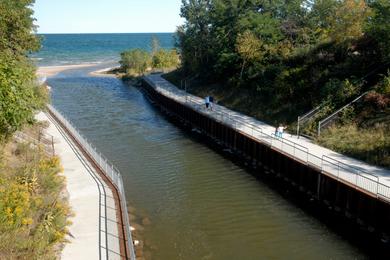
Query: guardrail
306, 118
355, 177
325, 122
111, 172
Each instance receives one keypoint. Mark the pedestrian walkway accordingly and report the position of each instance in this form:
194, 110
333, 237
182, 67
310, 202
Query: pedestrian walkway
367, 178
94, 232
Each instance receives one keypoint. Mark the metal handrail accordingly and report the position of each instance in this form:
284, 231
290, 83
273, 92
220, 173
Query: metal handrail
306, 117
48, 144
111, 172
330, 118
340, 170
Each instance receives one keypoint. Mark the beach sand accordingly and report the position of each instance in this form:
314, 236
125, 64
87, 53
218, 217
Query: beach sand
54, 70
104, 72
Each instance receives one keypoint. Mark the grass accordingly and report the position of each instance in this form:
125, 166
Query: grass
33, 208
368, 144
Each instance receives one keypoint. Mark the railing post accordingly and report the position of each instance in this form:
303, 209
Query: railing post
299, 118
338, 170
319, 129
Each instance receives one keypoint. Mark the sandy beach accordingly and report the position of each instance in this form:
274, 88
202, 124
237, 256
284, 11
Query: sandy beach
104, 72
50, 71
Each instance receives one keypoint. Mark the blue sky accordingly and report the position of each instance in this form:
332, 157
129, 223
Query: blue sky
107, 16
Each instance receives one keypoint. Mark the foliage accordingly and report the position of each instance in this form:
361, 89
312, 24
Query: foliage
347, 139
277, 60
163, 59
378, 27
289, 55
349, 20
135, 61
249, 48
19, 94
33, 212
16, 26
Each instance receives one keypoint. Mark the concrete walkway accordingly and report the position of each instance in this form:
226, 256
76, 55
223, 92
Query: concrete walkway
94, 229
371, 179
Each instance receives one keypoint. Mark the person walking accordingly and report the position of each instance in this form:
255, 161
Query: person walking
211, 100
207, 102
281, 130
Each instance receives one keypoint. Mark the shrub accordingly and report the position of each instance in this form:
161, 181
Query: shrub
135, 61
33, 213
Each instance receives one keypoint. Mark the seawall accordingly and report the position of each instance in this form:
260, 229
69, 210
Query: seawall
361, 206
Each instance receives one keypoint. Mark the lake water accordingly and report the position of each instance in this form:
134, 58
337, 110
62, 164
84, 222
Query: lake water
188, 201
65, 49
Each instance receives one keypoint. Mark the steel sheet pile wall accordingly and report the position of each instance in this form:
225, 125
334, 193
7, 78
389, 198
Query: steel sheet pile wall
345, 201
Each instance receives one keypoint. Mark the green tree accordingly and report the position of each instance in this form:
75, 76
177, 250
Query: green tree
378, 27
17, 27
135, 61
19, 94
194, 36
249, 49
165, 59
348, 21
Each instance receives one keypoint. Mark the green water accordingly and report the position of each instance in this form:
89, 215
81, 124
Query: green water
188, 201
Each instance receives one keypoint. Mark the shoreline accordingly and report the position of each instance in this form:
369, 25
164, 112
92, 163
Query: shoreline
106, 72
50, 71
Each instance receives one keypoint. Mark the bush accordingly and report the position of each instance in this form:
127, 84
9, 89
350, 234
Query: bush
33, 212
20, 97
135, 62
165, 59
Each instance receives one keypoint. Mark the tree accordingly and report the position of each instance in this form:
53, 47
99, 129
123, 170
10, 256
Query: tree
165, 59
135, 61
249, 48
378, 27
19, 94
17, 27
348, 21
194, 36
155, 44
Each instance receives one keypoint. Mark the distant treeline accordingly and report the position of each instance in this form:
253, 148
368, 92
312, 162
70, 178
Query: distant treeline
297, 53
136, 62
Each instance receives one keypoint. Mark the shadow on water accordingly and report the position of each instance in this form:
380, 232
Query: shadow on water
369, 243
193, 201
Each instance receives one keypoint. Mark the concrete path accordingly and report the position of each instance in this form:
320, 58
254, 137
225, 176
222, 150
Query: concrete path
371, 179
94, 229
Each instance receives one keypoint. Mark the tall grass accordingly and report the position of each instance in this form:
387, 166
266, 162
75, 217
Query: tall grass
368, 144
33, 208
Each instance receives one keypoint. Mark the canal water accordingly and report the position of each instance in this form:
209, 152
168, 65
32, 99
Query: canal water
188, 202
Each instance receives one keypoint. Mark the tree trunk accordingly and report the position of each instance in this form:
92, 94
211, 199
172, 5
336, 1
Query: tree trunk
242, 70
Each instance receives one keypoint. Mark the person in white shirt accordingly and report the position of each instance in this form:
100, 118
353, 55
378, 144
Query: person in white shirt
281, 130
207, 102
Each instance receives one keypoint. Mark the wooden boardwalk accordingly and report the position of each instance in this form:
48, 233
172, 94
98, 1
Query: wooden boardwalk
370, 179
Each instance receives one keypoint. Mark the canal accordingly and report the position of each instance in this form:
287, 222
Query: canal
188, 202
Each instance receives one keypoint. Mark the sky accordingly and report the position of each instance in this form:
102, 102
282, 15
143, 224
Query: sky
107, 16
